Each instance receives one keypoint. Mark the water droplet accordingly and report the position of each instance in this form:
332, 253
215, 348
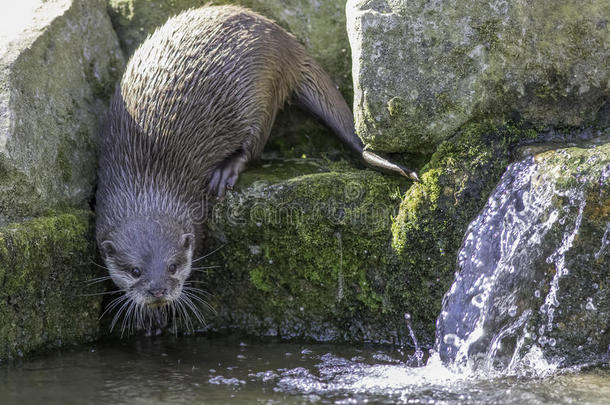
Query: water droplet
590, 306
451, 339
595, 286
579, 348
537, 293
512, 311
552, 342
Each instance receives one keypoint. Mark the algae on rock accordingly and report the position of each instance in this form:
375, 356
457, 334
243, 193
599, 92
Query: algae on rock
305, 256
422, 69
44, 264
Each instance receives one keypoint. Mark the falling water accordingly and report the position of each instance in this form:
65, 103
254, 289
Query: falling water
501, 309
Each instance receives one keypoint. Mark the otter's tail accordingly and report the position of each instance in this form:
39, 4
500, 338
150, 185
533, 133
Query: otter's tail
319, 95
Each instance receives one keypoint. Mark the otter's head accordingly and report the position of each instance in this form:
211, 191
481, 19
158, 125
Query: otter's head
149, 259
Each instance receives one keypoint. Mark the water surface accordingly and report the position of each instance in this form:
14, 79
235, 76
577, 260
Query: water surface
189, 370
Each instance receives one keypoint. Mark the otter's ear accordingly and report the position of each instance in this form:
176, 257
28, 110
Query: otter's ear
107, 249
188, 241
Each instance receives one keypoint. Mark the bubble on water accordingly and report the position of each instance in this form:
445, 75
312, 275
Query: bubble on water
221, 380
264, 376
590, 306
512, 311
537, 293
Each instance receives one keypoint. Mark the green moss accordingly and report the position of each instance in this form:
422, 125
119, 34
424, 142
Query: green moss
488, 33
17, 195
43, 265
434, 214
308, 255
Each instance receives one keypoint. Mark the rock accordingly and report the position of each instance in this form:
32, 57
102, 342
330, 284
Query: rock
305, 256
424, 68
280, 262
319, 25
533, 278
44, 264
58, 65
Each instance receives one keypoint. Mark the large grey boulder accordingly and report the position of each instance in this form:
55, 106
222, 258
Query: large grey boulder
423, 68
58, 63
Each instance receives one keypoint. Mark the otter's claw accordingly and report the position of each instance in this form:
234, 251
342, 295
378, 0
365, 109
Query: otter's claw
226, 174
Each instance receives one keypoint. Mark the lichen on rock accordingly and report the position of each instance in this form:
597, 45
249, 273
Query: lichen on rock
423, 69
56, 74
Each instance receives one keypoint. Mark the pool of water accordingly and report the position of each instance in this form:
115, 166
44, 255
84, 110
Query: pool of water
188, 370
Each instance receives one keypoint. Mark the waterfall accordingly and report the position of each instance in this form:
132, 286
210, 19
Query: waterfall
502, 308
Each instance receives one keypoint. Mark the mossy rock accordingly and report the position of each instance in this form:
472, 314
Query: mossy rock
435, 213
56, 74
302, 258
44, 265
580, 330
305, 256
423, 69
319, 26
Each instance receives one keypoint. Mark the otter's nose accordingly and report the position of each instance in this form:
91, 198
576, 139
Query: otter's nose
157, 292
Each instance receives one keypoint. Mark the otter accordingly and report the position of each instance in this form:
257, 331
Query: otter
196, 103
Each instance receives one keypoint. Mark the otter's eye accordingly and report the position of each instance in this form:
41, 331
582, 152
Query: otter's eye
172, 269
136, 272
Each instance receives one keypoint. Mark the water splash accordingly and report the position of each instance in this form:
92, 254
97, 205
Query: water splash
417, 358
